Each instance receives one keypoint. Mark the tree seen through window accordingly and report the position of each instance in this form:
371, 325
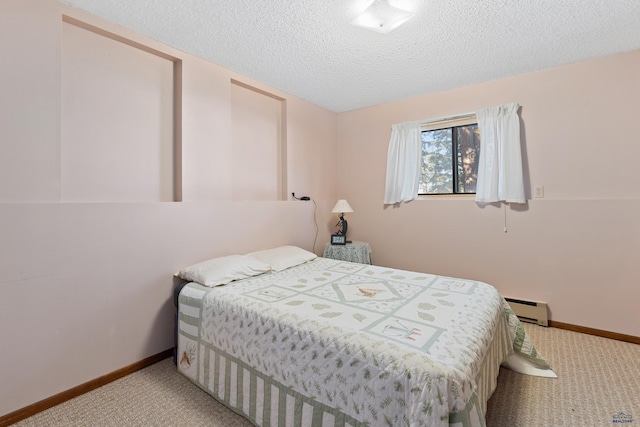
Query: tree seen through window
450, 160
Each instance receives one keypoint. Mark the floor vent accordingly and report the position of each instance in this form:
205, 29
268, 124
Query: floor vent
530, 311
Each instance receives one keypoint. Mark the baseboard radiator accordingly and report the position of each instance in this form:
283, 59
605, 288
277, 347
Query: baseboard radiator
530, 311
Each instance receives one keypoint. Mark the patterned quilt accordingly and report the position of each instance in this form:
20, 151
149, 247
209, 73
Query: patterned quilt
333, 343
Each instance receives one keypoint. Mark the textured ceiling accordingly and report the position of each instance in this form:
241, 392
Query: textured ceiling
308, 49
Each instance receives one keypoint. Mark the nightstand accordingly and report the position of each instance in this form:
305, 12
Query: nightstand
352, 252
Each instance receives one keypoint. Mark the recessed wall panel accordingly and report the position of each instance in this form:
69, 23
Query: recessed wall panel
117, 120
257, 135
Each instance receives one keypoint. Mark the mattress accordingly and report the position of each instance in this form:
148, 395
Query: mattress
334, 343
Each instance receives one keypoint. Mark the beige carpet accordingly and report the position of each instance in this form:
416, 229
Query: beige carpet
598, 379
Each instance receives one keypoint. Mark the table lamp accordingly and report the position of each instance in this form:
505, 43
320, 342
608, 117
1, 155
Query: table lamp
340, 238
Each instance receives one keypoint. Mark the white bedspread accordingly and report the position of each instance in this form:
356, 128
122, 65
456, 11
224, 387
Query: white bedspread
360, 344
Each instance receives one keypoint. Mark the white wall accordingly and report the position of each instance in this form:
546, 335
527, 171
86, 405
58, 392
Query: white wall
86, 286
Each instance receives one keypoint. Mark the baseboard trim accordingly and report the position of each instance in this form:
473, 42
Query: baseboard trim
598, 332
21, 414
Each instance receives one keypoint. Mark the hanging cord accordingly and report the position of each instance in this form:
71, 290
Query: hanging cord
505, 217
315, 221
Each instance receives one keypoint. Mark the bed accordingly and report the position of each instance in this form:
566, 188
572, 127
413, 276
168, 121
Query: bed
308, 341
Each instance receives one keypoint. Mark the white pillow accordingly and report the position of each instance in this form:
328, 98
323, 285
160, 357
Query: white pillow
222, 270
283, 257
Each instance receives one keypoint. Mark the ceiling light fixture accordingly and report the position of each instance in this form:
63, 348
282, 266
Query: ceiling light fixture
382, 17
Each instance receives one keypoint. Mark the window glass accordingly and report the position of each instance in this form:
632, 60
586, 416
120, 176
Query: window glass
450, 160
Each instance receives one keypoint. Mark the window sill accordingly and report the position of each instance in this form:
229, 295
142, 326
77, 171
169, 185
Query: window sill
447, 196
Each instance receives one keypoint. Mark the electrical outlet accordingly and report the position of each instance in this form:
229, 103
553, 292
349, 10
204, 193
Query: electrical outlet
538, 191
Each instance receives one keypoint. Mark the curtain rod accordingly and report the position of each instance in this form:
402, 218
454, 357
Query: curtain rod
447, 118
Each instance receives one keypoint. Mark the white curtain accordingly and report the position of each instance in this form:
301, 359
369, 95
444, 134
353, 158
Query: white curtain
403, 163
500, 166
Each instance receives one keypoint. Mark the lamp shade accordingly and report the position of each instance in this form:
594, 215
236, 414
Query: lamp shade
341, 207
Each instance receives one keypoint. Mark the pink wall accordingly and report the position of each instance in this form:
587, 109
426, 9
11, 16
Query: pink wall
578, 248
117, 121
86, 286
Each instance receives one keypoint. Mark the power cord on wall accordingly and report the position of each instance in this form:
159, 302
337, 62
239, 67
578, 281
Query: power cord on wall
315, 219
305, 198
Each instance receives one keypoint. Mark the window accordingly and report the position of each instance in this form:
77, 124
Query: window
449, 158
